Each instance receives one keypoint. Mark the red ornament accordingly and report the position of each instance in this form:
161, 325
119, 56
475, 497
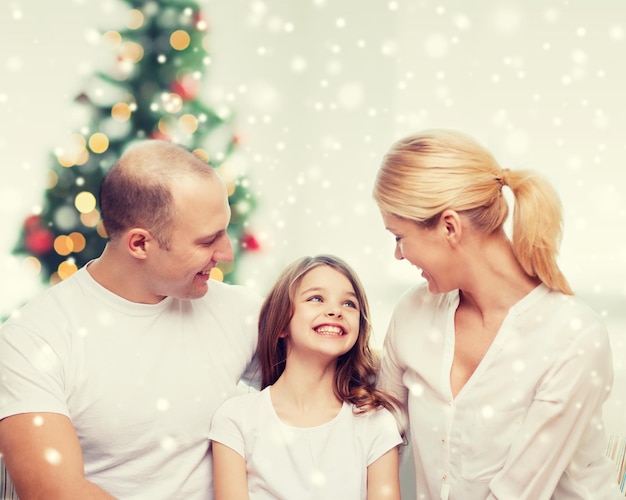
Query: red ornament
200, 22
39, 241
32, 222
187, 87
249, 242
157, 134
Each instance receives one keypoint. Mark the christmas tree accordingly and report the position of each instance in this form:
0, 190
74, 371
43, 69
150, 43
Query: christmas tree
152, 91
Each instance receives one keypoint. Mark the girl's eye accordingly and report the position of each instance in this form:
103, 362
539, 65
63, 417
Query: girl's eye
315, 298
398, 238
350, 303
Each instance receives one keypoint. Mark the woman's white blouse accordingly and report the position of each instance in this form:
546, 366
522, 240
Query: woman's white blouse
528, 423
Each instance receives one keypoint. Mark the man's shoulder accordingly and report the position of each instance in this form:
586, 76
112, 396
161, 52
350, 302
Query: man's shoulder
49, 300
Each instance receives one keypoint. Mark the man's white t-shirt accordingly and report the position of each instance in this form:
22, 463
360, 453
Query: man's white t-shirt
140, 382
327, 462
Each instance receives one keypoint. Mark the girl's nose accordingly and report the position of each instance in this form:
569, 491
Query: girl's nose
333, 311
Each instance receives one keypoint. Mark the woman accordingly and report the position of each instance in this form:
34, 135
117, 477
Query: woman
503, 371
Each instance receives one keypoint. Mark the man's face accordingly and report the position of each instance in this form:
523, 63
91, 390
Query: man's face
197, 242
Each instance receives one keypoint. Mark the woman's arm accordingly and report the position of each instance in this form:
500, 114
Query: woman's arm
383, 477
230, 480
565, 412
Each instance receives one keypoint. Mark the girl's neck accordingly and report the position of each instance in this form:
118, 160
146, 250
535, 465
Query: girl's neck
304, 397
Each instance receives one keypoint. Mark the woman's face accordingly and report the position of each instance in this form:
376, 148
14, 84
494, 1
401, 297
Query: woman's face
425, 248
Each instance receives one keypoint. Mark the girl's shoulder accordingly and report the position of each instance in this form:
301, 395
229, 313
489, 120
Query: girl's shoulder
243, 403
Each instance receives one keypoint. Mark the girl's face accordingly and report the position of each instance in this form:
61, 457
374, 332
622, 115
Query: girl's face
326, 315
425, 248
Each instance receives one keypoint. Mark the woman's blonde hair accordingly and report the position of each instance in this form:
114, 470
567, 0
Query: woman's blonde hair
424, 174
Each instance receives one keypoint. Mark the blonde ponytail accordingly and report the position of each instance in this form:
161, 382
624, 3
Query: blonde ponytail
537, 227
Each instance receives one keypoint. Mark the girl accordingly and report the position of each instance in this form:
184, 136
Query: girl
318, 429
503, 370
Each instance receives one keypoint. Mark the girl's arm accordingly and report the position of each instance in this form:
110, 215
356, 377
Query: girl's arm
383, 477
230, 480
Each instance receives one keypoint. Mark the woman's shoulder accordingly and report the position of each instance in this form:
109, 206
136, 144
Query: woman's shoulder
418, 297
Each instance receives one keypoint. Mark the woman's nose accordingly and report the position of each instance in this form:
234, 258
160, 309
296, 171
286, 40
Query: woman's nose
398, 252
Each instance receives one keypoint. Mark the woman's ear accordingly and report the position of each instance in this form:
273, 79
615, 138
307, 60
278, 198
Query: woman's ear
138, 241
452, 225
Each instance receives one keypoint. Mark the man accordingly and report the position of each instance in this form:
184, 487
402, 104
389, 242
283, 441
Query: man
109, 380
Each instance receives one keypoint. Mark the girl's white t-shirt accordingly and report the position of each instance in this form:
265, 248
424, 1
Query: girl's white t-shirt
328, 461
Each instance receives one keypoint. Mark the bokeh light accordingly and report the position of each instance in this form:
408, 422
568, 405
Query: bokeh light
121, 112
112, 39
78, 240
90, 219
217, 274
202, 153
180, 39
131, 52
188, 123
85, 202
98, 142
135, 19
66, 269
63, 245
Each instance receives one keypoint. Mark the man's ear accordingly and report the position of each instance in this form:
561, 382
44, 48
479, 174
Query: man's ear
138, 241
452, 226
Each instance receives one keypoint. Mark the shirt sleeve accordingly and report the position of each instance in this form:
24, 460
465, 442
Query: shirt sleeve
31, 372
384, 434
226, 426
391, 370
566, 409
252, 374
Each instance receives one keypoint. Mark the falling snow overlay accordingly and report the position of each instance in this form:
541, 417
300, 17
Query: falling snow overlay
322, 88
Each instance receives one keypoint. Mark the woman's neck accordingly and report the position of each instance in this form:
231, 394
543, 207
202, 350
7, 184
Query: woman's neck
496, 280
